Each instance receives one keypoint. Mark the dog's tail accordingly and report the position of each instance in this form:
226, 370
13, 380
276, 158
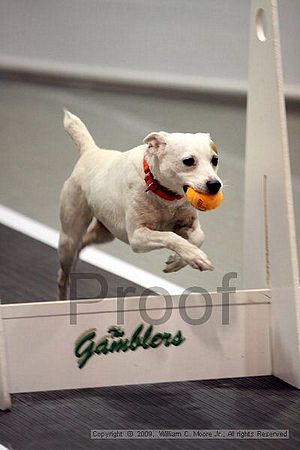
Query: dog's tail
78, 132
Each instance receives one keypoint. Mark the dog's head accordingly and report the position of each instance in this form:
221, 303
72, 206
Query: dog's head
180, 160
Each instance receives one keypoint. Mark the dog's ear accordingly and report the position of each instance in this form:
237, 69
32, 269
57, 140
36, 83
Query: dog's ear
156, 141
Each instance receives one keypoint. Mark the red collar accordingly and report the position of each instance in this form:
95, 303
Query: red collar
154, 186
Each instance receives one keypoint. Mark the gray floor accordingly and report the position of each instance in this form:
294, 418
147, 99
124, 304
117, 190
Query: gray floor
63, 420
36, 157
29, 271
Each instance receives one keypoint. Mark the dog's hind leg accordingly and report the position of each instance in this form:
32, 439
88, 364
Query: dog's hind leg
97, 233
75, 216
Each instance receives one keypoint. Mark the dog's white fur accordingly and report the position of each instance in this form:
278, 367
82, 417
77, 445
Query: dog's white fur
105, 198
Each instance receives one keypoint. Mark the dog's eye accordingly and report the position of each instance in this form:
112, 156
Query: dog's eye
214, 160
188, 161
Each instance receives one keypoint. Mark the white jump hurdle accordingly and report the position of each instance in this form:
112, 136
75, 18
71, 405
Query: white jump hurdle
41, 350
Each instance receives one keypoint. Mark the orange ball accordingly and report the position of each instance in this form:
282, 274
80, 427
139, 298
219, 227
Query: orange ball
204, 202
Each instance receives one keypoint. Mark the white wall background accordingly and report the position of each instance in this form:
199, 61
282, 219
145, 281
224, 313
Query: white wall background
188, 40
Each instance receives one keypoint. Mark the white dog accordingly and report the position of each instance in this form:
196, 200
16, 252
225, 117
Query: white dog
136, 196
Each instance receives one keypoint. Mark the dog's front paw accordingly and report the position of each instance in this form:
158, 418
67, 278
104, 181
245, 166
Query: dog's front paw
174, 263
197, 259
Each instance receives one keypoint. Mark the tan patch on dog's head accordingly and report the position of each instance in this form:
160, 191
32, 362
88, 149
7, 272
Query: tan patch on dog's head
214, 148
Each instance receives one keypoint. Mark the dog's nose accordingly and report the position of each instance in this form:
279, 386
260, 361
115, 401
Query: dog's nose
213, 186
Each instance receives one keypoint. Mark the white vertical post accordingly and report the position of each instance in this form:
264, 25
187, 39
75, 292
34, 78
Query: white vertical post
270, 254
5, 402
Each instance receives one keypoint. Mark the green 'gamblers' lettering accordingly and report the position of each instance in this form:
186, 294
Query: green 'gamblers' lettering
86, 347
